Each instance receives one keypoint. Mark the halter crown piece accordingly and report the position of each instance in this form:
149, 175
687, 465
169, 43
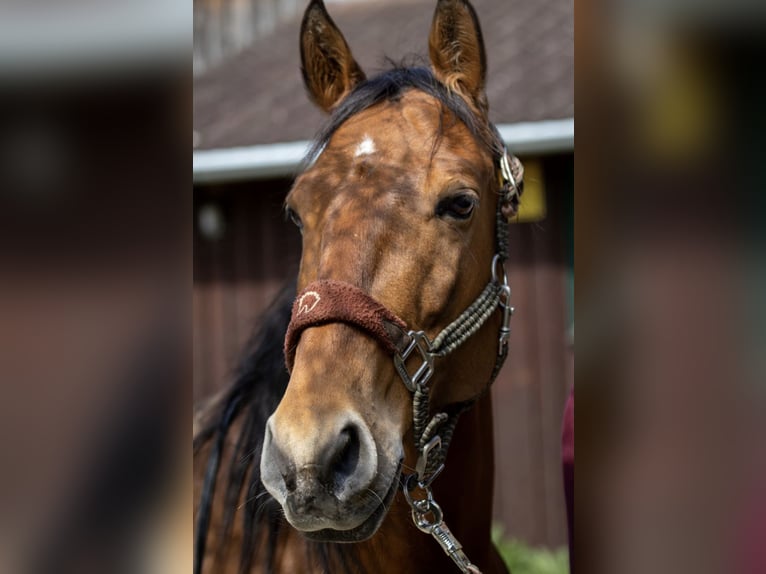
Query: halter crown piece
329, 301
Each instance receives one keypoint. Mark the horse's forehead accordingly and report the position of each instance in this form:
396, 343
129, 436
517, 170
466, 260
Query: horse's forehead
390, 148
393, 131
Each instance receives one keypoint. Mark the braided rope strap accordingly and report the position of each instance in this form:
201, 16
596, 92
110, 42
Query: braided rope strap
432, 447
469, 321
495, 294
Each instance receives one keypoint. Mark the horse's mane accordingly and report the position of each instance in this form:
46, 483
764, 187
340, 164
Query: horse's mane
261, 379
259, 383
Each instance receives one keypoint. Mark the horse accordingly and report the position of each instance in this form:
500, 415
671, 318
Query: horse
375, 364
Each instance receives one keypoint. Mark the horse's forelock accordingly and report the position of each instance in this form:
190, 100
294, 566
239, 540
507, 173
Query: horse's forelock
391, 85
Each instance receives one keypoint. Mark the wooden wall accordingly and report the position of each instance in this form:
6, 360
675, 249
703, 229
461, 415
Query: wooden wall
237, 275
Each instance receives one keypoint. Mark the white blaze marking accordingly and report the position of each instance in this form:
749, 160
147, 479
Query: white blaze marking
365, 147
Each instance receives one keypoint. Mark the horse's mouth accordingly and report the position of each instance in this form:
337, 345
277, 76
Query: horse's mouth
368, 527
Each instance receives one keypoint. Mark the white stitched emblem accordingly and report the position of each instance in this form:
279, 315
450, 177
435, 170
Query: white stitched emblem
307, 302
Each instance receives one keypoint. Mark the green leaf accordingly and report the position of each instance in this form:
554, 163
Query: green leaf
523, 559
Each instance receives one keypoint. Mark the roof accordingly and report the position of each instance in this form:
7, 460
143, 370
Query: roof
257, 97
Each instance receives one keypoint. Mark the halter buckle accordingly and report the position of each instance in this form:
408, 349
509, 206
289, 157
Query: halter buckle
418, 340
422, 464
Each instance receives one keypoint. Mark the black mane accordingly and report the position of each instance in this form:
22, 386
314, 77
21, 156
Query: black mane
259, 384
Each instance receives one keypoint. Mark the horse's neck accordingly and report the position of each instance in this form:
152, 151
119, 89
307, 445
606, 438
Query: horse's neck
463, 490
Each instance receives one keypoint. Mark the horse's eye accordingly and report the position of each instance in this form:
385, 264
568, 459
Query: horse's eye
294, 217
458, 206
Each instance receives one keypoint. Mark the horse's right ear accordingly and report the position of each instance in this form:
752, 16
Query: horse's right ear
329, 70
456, 48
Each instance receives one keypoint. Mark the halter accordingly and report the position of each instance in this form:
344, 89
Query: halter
329, 301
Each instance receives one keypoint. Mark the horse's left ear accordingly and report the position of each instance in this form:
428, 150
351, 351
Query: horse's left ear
330, 72
456, 49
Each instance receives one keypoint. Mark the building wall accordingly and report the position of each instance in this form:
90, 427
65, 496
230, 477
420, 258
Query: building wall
237, 276
223, 28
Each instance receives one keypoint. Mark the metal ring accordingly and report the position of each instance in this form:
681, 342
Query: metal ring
423, 524
498, 260
407, 488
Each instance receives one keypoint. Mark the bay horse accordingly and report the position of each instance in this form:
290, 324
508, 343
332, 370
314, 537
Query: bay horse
332, 442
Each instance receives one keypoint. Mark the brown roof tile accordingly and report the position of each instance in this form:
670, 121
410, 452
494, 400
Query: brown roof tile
257, 97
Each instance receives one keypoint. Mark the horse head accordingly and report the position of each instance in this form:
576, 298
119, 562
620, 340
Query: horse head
400, 203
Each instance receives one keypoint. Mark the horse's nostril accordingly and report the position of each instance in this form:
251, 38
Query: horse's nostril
333, 461
344, 457
289, 478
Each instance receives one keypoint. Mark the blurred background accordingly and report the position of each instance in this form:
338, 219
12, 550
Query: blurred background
252, 122
96, 304
95, 286
96, 374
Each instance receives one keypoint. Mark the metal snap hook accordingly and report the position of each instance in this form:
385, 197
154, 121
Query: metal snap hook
497, 261
505, 328
504, 303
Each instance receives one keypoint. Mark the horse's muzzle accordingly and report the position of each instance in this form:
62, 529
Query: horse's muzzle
322, 476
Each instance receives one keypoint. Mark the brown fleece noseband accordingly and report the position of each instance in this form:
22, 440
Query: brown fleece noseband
328, 301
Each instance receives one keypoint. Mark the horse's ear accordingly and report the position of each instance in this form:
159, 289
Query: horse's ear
456, 49
329, 70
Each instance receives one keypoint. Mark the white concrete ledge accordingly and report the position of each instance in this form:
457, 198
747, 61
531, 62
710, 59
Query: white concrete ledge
546, 137
283, 159
252, 162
